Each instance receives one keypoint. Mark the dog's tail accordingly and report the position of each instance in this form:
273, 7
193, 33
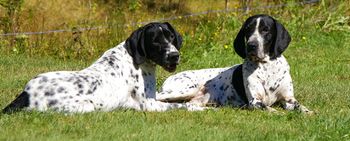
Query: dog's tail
19, 103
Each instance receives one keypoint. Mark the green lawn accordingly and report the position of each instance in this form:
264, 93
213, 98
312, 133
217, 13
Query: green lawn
320, 69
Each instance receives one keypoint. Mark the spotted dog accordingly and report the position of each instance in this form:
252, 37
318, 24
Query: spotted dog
123, 77
261, 81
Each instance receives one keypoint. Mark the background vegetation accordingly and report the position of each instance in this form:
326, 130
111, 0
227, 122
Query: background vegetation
318, 54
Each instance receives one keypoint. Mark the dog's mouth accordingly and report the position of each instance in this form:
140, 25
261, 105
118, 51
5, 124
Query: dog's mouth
256, 58
170, 67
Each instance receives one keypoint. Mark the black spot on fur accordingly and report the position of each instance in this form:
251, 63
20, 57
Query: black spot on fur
52, 103
49, 93
44, 79
28, 88
78, 81
113, 74
133, 93
60, 89
70, 79
111, 63
237, 82
94, 89
40, 87
19, 103
84, 78
226, 88
137, 77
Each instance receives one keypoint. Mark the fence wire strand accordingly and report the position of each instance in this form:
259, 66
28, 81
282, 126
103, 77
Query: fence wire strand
164, 19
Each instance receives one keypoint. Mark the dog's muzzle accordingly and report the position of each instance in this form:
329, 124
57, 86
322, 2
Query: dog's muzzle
253, 51
171, 61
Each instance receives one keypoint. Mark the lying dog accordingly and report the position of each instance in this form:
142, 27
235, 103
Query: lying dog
123, 76
261, 81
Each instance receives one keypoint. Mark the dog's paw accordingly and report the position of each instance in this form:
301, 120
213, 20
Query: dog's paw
196, 107
305, 110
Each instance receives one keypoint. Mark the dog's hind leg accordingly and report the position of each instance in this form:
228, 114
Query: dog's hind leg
177, 92
158, 106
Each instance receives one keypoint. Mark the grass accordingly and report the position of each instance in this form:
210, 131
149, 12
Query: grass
320, 68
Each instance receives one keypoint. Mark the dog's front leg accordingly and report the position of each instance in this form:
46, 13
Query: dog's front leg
289, 101
256, 94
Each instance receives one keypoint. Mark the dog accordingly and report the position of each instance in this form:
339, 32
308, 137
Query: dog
261, 81
123, 77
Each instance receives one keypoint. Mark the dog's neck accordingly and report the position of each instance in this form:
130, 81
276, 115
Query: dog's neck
255, 61
148, 67
267, 61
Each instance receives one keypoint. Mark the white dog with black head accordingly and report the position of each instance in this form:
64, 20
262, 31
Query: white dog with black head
261, 81
123, 77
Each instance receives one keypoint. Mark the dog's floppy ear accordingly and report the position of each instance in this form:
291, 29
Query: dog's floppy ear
136, 47
239, 43
178, 38
282, 40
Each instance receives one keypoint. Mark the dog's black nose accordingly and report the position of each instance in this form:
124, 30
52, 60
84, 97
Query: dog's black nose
252, 46
173, 56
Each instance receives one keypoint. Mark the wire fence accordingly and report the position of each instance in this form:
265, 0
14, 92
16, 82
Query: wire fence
165, 19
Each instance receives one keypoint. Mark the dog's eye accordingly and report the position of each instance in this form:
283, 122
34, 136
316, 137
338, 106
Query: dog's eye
265, 29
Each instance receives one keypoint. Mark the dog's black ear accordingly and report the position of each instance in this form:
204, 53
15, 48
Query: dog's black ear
282, 40
136, 47
239, 43
178, 38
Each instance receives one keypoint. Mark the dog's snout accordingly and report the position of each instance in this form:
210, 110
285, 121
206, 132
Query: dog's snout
251, 46
173, 56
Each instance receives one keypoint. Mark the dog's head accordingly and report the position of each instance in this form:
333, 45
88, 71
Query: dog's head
158, 42
261, 36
